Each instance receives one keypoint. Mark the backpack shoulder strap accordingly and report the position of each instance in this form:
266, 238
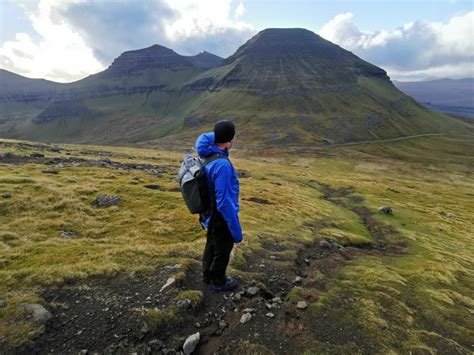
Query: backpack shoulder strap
213, 157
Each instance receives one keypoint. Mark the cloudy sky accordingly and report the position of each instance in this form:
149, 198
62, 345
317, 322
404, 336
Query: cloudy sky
65, 40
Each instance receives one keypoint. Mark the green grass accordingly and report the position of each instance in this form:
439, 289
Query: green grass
420, 301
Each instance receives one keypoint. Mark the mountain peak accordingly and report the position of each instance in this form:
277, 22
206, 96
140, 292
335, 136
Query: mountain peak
154, 57
289, 60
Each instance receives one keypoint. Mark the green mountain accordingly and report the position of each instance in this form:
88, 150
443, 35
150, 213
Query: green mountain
283, 86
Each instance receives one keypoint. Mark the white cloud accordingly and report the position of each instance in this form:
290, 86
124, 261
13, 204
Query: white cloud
60, 54
81, 37
415, 51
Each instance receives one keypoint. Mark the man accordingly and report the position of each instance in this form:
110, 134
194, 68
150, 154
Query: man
223, 225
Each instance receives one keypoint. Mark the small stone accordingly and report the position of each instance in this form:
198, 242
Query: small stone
237, 297
306, 260
448, 214
132, 274
270, 315
277, 300
104, 200
249, 310
301, 305
386, 209
268, 305
168, 283
245, 318
197, 325
2, 303
175, 266
7, 195
68, 234
297, 279
252, 291
191, 343
37, 312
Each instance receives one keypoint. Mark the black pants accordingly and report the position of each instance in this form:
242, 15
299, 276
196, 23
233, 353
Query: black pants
216, 256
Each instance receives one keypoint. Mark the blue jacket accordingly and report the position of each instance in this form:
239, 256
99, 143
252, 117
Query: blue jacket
223, 183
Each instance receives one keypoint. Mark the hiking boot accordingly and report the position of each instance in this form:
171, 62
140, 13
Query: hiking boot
230, 285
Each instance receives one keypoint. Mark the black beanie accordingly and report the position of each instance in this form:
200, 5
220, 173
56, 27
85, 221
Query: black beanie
224, 131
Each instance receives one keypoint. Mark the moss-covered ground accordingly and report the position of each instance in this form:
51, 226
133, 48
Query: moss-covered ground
417, 300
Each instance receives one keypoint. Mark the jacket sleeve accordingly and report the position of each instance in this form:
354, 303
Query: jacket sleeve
225, 201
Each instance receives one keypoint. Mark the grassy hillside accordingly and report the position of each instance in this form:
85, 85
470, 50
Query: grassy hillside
373, 283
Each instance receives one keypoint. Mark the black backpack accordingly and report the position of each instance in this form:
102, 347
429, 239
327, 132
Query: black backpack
193, 182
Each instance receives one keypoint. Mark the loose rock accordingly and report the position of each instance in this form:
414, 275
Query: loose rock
68, 234
277, 300
104, 200
252, 291
448, 214
37, 312
386, 209
301, 305
249, 310
270, 315
168, 283
297, 279
245, 318
191, 343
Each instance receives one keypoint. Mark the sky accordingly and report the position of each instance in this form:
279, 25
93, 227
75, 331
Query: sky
66, 40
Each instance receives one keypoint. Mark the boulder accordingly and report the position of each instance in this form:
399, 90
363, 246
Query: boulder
37, 312
191, 343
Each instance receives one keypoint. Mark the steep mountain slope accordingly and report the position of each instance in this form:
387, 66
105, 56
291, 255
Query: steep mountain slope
282, 86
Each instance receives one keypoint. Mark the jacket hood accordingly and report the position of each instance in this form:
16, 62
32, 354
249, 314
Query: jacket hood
205, 145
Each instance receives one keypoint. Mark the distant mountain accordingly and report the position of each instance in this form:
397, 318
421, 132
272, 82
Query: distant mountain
282, 86
451, 96
13, 86
205, 60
